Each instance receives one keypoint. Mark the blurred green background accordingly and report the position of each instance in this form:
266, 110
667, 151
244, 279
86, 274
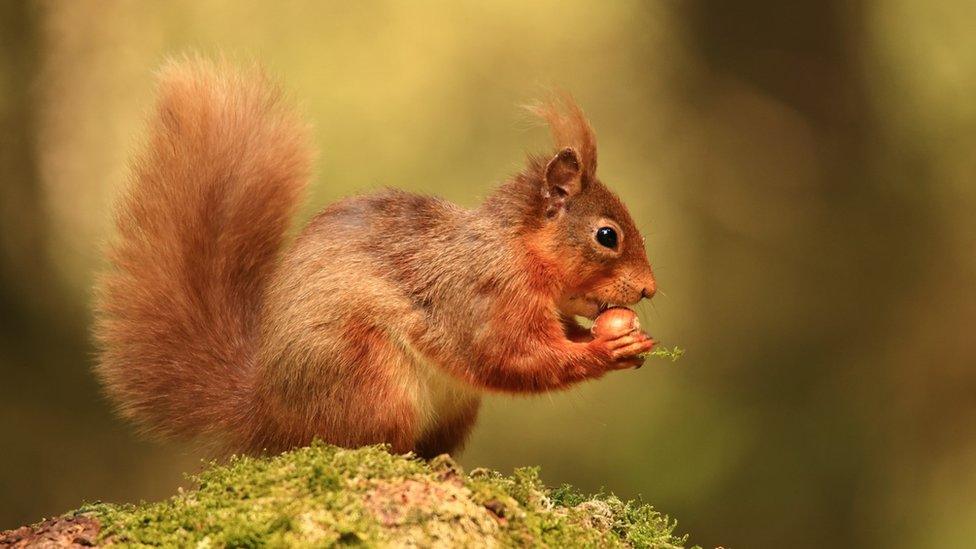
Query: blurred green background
804, 172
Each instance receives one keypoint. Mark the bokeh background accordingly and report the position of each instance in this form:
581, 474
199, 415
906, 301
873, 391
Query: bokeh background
804, 172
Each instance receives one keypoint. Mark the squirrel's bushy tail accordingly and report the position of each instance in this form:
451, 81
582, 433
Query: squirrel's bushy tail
199, 232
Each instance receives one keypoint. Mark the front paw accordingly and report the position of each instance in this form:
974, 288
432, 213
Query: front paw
625, 350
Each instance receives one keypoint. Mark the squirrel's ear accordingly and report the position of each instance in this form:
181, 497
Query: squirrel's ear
564, 179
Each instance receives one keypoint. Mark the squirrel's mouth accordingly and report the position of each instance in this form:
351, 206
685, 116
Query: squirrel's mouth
604, 305
585, 306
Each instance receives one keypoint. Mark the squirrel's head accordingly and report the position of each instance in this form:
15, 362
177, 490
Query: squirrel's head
582, 226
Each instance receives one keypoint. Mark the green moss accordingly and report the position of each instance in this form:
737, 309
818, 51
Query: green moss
325, 496
673, 354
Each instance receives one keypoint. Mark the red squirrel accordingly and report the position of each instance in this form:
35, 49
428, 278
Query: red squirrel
388, 316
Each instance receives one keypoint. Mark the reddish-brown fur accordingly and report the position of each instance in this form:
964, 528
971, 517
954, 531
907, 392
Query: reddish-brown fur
388, 316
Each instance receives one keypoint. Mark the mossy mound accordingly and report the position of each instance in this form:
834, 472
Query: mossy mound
323, 496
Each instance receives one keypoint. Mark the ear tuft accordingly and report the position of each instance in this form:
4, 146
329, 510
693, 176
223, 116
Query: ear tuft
570, 129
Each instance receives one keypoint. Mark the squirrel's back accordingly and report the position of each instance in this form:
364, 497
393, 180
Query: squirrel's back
199, 233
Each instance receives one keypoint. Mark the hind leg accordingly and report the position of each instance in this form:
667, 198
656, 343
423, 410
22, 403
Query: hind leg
349, 384
376, 400
329, 365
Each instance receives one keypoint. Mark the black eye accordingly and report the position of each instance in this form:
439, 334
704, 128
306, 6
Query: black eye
606, 236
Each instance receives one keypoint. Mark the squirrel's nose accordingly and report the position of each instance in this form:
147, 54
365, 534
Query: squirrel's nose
650, 288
